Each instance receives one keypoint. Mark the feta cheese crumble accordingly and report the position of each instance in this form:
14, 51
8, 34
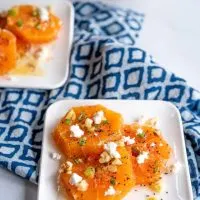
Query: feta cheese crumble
69, 165
110, 191
128, 140
177, 167
82, 186
111, 148
44, 14
142, 157
139, 131
55, 156
152, 144
98, 117
75, 179
148, 121
78, 181
76, 131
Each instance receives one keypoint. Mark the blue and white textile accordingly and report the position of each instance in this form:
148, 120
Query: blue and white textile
105, 63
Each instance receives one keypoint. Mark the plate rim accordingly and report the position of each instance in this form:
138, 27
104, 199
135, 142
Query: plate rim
62, 81
165, 103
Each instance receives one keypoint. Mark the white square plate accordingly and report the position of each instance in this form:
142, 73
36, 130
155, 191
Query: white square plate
56, 70
175, 186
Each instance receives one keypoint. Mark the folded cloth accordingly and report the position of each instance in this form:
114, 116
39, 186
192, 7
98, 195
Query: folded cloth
104, 64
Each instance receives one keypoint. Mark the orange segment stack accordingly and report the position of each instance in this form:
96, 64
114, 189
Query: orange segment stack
123, 180
26, 24
7, 51
158, 150
103, 158
23, 28
109, 130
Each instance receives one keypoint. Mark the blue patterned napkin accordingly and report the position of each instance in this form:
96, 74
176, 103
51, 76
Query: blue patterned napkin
105, 63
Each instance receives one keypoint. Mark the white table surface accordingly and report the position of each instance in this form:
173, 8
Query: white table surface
171, 34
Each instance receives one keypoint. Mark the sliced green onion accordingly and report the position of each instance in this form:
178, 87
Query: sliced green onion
19, 23
90, 172
35, 13
68, 121
105, 122
97, 125
38, 26
112, 181
12, 12
141, 135
82, 141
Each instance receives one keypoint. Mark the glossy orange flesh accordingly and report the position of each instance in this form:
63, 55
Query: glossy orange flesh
30, 28
103, 133
124, 178
151, 170
7, 51
129, 174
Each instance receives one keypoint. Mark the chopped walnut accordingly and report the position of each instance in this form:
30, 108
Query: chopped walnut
117, 162
112, 168
104, 157
71, 115
88, 123
120, 143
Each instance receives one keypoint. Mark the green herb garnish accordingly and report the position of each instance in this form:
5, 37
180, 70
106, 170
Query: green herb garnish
12, 12
38, 26
105, 122
141, 135
19, 23
35, 13
82, 141
68, 121
112, 181
89, 172
97, 125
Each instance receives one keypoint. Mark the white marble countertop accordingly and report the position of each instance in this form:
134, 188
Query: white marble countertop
170, 33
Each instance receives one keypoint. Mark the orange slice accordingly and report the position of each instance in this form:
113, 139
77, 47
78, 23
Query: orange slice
24, 21
7, 51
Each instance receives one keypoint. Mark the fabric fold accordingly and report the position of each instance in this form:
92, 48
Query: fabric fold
105, 64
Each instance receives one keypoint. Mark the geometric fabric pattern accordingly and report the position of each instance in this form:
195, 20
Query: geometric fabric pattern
105, 63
